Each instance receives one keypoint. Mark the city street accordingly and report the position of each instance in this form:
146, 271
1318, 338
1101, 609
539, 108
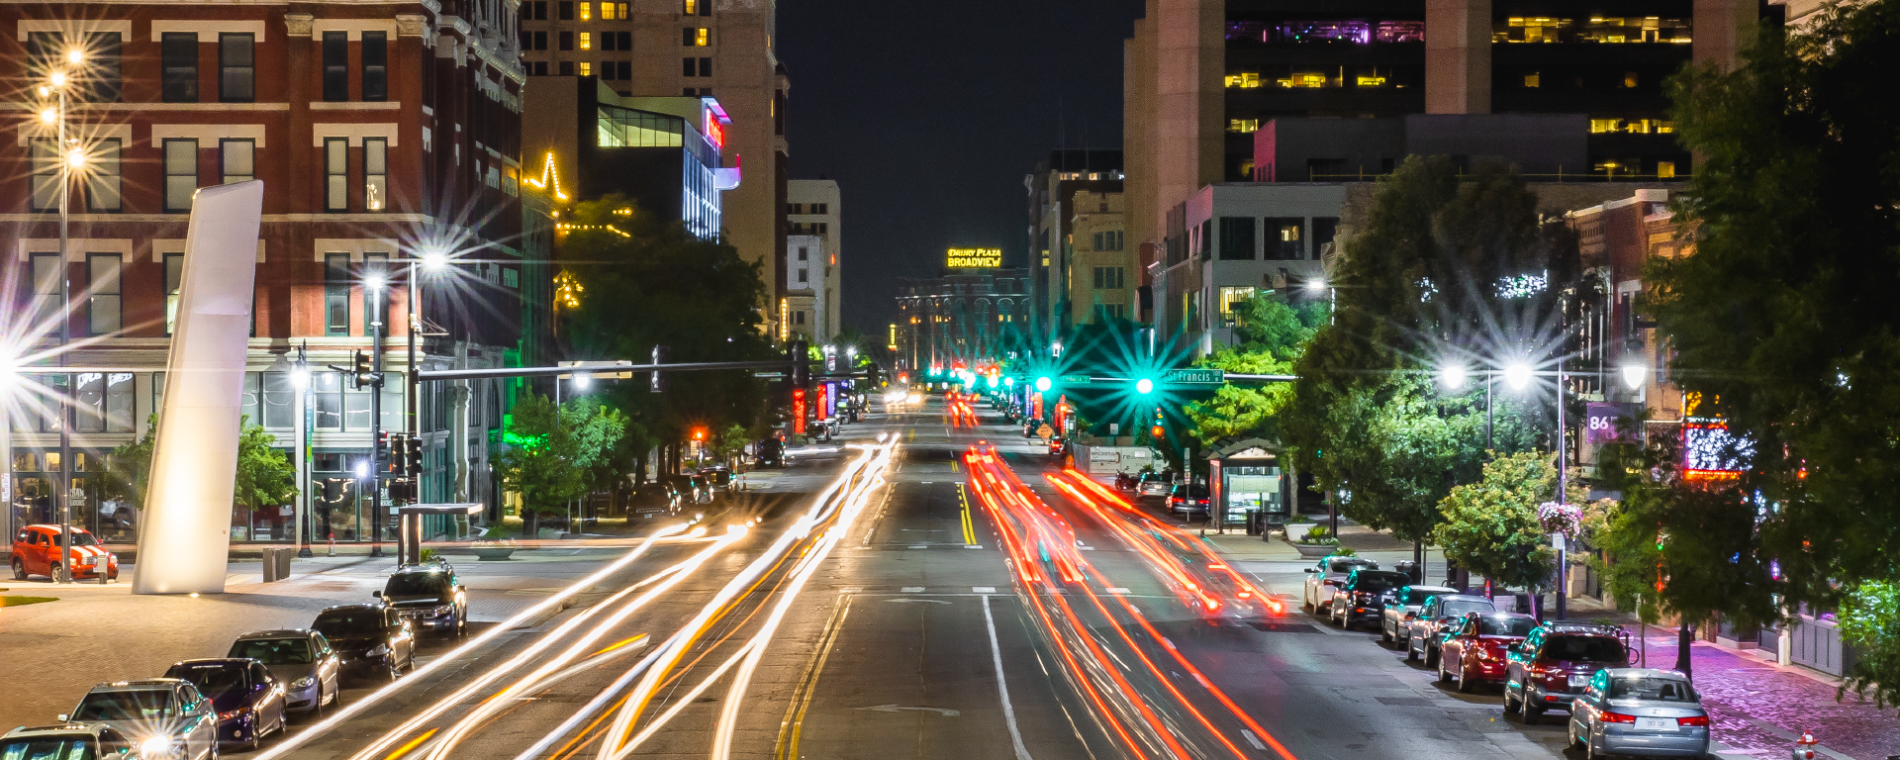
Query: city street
914, 636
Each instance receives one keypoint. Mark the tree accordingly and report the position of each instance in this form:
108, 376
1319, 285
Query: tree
1272, 334
1867, 621
559, 445
1491, 526
265, 476
1783, 319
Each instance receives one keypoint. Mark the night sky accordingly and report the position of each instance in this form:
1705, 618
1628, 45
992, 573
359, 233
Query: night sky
928, 114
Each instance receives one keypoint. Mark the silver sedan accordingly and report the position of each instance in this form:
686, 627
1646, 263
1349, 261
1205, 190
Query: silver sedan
1639, 711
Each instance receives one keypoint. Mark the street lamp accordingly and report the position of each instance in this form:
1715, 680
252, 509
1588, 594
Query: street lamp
72, 159
1453, 376
1517, 375
1634, 374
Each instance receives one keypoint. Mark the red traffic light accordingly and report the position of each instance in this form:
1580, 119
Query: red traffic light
1158, 431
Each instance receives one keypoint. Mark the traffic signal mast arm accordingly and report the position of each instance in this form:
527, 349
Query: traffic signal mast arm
498, 372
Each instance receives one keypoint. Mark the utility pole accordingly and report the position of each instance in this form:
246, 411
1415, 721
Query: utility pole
380, 303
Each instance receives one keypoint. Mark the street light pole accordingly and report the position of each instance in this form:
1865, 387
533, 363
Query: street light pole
380, 287
63, 571
1562, 488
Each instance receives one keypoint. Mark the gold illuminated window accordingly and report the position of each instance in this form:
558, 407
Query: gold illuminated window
1245, 80
587, 69
692, 7
702, 37
1305, 79
587, 41
1374, 80
1665, 169
587, 11
1243, 125
1600, 126
1629, 79
1532, 79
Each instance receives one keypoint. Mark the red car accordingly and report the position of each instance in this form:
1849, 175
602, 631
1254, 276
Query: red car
1476, 651
36, 550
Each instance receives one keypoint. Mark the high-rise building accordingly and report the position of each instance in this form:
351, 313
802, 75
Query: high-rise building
385, 136
1052, 188
694, 48
815, 248
1203, 76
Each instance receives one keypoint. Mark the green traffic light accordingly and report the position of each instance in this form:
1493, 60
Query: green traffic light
1144, 386
1043, 384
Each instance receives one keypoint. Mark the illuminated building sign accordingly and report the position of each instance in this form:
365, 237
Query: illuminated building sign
974, 258
798, 411
822, 408
1710, 451
715, 132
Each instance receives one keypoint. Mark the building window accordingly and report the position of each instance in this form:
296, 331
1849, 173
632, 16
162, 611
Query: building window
698, 8
1110, 278
587, 43
1231, 297
540, 42
1665, 169
705, 67
1284, 242
804, 254
587, 68
181, 174
102, 176
1236, 238
689, 68
1629, 79
237, 160
336, 66
566, 68
48, 278
696, 36
1325, 230
103, 314
336, 174
587, 11
375, 173
178, 52
567, 43
566, 8
174, 279
43, 155
336, 294
237, 68
607, 12
376, 66
1532, 80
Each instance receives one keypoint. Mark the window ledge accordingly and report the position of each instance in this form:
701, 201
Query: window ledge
356, 105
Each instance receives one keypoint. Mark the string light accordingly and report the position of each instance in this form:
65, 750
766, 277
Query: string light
549, 178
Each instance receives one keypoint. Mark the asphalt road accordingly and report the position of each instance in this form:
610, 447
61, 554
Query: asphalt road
911, 608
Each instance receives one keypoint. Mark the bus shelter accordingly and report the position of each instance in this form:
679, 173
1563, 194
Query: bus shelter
1245, 477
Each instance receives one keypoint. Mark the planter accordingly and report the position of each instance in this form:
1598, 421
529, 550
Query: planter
1297, 531
493, 553
1314, 551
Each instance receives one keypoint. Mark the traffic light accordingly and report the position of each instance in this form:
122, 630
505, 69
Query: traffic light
359, 363
1144, 386
412, 456
1044, 383
382, 448
799, 354
656, 384
873, 376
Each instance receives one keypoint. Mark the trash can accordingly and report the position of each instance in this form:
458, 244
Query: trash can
1255, 522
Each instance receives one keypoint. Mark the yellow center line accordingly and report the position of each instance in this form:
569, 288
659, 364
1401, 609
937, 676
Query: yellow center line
619, 644
969, 528
413, 743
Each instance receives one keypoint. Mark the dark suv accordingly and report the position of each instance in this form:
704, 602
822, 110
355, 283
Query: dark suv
1556, 661
429, 596
1359, 597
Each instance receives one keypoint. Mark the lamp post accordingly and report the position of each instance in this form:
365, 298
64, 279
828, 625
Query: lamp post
300, 382
376, 286
58, 83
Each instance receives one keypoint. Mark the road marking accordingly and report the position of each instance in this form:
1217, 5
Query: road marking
912, 589
851, 590
944, 711
983, 589
794, 723
919, 546
973, 546
1254, 740
907, 600
1086, 548
1118, 591
1002, 685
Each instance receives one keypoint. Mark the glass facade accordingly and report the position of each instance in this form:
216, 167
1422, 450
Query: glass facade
617, 127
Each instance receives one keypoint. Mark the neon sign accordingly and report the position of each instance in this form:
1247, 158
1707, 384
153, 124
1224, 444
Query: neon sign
798, 411
974, 258
714, 132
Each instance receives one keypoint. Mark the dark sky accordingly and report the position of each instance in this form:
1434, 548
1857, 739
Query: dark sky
928, 114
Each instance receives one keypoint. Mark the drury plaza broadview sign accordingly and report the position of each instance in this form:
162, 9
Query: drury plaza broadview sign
974, 258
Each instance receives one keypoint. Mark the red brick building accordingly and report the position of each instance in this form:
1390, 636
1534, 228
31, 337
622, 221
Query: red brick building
383, 133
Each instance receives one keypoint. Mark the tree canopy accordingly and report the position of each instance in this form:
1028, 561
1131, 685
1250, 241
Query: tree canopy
1491, 526
560, 448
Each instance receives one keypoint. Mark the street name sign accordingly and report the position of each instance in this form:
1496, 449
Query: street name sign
1195, 376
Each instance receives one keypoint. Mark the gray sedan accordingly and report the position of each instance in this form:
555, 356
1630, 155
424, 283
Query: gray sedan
301, 658
1639, 711
1401, 605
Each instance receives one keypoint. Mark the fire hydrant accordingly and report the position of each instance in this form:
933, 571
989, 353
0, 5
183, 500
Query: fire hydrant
1805, 747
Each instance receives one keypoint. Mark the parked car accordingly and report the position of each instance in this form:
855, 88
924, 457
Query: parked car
162, 717
654, 500
302, 659
1435, 618
1359, 597
250, 702
371, 639
1401, 605
1639, 711
719, 478
79, 740
430, 596
1325, 577
1154, 484
36, 550
771, 452
1188, 499
1475, 651
1556, 661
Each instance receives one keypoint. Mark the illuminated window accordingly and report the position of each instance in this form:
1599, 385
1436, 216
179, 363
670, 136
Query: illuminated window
1600, 126
1629, 79
1307, 79
1231, 297
587, 43
1665, 169
1531, 79
703, 38
1245, 80
607, 12
375, 173
587, 11
697, 8
1243, 125
587, 69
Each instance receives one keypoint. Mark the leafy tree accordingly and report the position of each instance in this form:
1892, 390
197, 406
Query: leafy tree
1782, 318
1491, 526
1868, 618
566, 442
265, 476
129, 467
1272, 334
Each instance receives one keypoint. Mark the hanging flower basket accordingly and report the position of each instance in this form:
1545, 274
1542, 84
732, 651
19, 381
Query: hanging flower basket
1560, 518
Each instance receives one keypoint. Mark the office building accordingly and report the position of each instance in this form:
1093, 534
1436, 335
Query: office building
1052, 188
963, 317
385, 136
692, 48
665, 153
1202, 77
814, 251
803, 306
1101, 280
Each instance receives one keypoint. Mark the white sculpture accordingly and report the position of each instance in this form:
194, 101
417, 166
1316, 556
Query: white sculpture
185, 538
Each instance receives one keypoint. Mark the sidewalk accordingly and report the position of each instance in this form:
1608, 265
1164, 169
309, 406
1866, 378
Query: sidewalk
1757, 707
